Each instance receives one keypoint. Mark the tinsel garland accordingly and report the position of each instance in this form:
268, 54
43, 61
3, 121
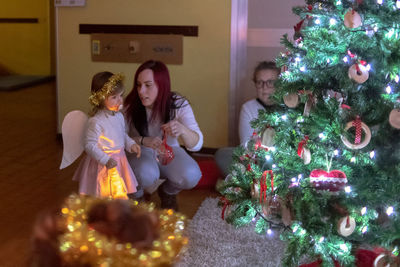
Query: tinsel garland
83, 245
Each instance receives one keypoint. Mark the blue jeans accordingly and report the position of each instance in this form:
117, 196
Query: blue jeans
181, 173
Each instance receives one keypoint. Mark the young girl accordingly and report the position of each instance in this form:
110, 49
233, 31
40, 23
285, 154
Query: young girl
105, 171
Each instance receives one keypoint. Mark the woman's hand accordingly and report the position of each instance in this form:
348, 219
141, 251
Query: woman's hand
152, 142
174, 128
136, 149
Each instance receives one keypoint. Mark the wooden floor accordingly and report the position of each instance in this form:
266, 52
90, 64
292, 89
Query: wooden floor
30, 179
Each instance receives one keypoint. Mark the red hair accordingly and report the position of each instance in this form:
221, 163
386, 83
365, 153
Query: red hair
136, 112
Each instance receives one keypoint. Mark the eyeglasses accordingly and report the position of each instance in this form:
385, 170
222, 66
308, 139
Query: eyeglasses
260, 83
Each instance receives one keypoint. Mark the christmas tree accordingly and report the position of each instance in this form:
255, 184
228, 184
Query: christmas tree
323, 170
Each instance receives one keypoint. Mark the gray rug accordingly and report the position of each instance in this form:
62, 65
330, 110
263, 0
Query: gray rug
213, 242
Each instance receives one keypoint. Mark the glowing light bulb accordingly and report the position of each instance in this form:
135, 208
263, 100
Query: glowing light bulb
338, 3
363, 210
295, 228
297, 59
294, 180
303, 232
328, 61
346, 59
389, 211
300, 176
269, 232
274, 166
375, 28
398, 4
336, 152
321, 239
284, 117
388, 89
347, 189
372, 154
368, 67
397, 79
254, 219
321, 135
332, 21
353, 159
380, 2
317, 21
302, 68
267, 157
343, 247
272, 149
300, 45
364, 229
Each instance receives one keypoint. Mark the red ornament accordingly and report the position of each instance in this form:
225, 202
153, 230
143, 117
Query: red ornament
165, 154
333, 181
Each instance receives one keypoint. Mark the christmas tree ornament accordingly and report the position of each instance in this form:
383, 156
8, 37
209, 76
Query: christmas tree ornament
383, 261
291, 100
357, 142
255, 189
332, 182
268, 137
352, 19
240, 167
346, 226
303, 152
165, 154
308, 105
358, 73
306, 155
271, 208
286, 212
394, 118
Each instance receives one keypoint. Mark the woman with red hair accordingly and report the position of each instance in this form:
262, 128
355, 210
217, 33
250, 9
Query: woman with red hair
153, 111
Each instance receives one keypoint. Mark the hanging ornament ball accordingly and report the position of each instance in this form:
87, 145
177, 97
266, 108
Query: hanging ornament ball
394, 118
361, 75
364, 143
352, 19
255, 190
271, 207
240, 167
332, 182
268, 137
346, 226
291, 100
306, 155
383, 261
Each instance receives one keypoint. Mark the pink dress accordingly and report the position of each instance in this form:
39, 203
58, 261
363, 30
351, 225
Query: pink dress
105, 138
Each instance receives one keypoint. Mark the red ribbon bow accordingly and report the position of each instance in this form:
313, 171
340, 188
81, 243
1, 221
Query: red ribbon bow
226, 204
263, 185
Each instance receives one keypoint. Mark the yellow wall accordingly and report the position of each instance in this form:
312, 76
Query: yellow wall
203, 78
25, 47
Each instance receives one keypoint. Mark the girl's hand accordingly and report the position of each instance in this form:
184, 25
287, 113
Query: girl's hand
174, 128
152, 142
111, 163
136, 148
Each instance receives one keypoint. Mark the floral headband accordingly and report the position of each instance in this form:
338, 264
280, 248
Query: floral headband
98, 97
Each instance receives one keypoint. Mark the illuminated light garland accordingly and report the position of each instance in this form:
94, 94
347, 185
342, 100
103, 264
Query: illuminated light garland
82, 244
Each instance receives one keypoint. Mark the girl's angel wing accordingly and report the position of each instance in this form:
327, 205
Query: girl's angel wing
73, 132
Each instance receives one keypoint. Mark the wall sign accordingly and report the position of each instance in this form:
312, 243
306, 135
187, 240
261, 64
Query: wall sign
70, 3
